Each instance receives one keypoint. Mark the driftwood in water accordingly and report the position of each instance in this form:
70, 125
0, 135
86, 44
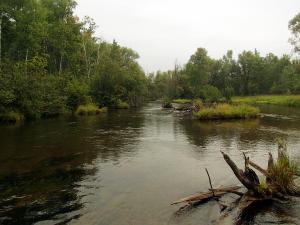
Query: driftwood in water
274, 188
203, 196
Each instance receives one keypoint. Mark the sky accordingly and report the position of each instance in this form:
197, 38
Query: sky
167, 31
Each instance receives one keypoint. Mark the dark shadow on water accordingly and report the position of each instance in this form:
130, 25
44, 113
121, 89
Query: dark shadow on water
49, 190
43, 164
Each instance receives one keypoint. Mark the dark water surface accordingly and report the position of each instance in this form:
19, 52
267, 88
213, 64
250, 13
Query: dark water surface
125, 168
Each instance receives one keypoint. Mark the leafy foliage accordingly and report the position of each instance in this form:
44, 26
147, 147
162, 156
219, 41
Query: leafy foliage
52, 62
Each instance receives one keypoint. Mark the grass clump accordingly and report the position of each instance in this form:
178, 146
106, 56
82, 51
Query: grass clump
90, 109
11, 117
182, 101
122, 105
284, 170
226, 111
283, 100
198, 105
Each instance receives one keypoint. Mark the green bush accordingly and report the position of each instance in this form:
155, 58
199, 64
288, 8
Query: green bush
226, 111
211, 94
228, 93
77, 93
90, 109
167, 103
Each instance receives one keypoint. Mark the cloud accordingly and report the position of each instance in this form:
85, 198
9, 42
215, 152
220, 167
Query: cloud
162, 31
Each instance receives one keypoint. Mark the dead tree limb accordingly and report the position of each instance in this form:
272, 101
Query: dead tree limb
211, 187
207, 195
240, 175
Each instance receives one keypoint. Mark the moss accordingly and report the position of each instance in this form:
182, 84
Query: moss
182, 101
11, 117
226, 111
90, 109
283, 100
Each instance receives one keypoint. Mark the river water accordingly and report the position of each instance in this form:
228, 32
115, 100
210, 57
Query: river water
126, 167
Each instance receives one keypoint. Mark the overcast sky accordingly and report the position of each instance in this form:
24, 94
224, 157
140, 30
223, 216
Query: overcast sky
163, 31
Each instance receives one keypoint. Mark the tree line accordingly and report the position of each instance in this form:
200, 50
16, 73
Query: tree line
250, 74
51, 61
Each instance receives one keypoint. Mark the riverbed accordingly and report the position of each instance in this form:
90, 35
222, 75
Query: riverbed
126, 167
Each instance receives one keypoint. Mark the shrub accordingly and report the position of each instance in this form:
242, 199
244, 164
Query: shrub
167, 103
228, 93
211, 94
77, 94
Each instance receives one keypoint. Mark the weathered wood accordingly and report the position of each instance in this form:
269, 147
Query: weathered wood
260, 169
256, 193
211, 187
207, 195
240, 174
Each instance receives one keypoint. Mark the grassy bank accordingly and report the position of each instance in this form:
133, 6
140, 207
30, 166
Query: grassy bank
11, 117
283, 100
182, 101
226, 111
90, 109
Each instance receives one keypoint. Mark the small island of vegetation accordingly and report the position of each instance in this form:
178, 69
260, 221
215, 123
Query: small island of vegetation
227, 111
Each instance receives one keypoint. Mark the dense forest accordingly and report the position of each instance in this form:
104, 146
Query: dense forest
51, 62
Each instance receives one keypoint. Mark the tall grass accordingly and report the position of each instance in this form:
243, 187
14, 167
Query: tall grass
284, 170
226, 111
284, 100
90, 109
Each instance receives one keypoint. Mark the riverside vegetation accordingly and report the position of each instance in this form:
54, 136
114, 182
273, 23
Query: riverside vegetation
283, 100
52, 63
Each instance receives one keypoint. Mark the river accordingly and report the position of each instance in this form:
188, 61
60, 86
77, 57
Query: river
126, 167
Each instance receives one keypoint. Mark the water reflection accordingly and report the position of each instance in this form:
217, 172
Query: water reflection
43, 164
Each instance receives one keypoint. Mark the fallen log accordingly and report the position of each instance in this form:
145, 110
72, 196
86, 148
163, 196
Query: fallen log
279, 183
203, 196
